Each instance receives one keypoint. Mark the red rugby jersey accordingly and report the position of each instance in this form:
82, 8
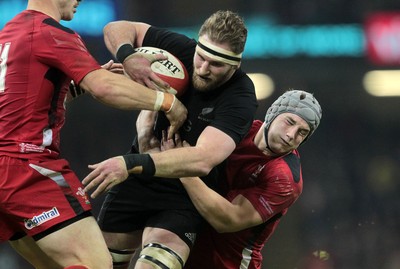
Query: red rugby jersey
272, 185
38, 59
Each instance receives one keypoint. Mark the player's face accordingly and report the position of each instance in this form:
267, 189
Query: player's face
68, 8
287, 132
209, 73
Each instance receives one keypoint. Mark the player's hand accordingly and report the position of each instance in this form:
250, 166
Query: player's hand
114, 67
169, 143
145, 132
138, 68
105, 175
175, 142
176, 116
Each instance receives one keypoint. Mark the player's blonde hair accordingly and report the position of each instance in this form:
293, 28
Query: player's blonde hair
226, 27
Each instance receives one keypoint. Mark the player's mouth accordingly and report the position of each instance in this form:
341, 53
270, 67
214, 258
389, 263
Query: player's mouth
287, 144
204, 78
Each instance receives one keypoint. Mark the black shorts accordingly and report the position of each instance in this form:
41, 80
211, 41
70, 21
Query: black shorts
138, 203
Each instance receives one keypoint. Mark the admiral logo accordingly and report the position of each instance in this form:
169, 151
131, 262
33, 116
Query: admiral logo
42, 218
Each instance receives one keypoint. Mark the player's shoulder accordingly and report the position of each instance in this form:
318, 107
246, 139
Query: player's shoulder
294, 164
53, 24
240, 84
285, 167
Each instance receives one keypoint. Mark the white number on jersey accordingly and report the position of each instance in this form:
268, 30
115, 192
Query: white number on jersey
3, 64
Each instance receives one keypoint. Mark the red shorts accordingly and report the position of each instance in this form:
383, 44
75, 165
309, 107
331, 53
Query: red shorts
36, 195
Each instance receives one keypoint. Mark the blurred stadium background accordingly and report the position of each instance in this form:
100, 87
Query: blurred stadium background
348, 214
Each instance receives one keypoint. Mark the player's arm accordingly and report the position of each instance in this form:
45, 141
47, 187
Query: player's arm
75, 91
212, 147
121, 37
223, 215
120, 92
124, 32
147, 142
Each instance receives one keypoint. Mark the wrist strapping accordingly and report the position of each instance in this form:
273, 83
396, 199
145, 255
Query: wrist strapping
168, 102
140, 164
124, 51
164, 101
159, 100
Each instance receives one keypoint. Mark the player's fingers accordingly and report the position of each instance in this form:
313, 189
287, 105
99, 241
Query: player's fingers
154, 57
91, 175
117, 68
150, 84
177, 137
107, 65
99, 190
171, 131
164, 136
171, 90
178, 141
160, 84
101, 181
90, 186
159, 57
93, 183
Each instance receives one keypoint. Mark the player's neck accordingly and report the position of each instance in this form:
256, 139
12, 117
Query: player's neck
45, 7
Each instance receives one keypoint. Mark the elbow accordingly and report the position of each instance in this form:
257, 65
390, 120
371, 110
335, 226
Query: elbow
103, 90
109, 27
221, 229
228, 223
205, 163
203, 169
106, 29
225, 227
97, 83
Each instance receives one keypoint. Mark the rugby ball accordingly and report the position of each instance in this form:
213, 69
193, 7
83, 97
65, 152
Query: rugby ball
171, 70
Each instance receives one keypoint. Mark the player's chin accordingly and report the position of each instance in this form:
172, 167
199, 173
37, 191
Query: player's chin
203, 84
68, 17
281, 149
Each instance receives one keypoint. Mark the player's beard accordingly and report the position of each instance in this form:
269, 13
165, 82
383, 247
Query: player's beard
205, 84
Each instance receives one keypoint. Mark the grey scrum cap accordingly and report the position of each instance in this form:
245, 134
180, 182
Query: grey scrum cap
297, 102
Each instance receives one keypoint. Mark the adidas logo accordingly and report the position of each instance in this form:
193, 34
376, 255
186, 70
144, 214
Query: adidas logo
191, 237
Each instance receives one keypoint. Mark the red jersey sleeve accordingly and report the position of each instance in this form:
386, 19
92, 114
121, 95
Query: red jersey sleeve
275, 190
64, 49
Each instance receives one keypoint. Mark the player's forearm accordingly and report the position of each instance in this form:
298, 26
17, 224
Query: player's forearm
214, 208
186, 161
147, 142
120, 92
182, 162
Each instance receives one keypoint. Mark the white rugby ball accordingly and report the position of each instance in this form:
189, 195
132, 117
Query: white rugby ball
171, 70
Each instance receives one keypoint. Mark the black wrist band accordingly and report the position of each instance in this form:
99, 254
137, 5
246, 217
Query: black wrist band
124, 51
140, 164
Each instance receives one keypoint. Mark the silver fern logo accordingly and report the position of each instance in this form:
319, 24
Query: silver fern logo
207, 110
